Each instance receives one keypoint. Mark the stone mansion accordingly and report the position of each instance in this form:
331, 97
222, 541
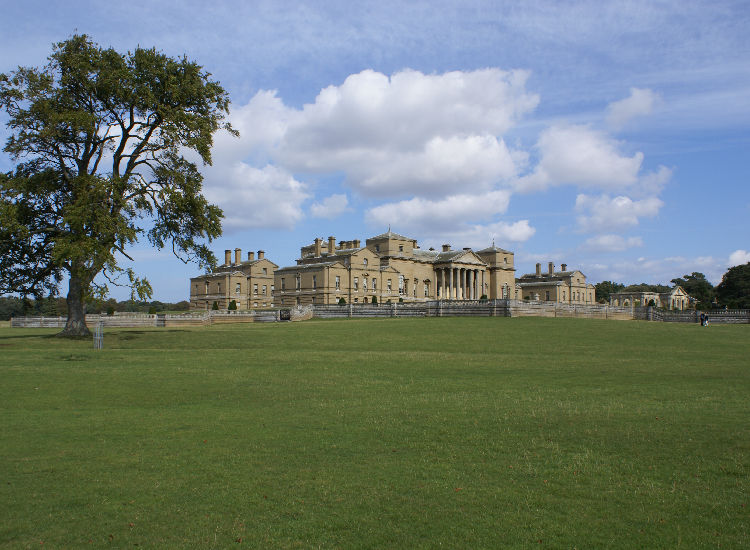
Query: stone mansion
389, 267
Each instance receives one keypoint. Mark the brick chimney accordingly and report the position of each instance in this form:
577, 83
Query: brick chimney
538, 270
551, 268
446, 247
238, 256
227, 257
318, 247
261, 254
356, 243
251, 256
564, 267
331, 245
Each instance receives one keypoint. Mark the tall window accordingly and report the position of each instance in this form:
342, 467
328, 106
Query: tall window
400, 248
315, 282
401, 284
265, 271
238, 289
356, 283
255, 289
265, 290
365, 262
390, 285
374, 284
338, 282
283, 284
298, 281
426, 290
364, 284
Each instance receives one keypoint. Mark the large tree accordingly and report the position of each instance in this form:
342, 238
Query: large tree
698, 287
605, 288
734, 289
100, 139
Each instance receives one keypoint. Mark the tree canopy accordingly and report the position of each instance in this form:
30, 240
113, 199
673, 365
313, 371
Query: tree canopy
698, 287
605, 288
100, 138
734, 289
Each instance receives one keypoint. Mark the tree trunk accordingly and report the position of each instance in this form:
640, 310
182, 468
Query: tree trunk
75, 327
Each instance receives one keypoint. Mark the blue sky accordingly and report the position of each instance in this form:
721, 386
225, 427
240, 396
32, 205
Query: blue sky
611, 136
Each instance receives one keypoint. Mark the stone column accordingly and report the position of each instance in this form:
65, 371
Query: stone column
470, 283
462, 283
450, 285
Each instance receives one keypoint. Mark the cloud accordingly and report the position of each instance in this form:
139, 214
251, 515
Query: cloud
606, 214
252, 197
411, 134
640, 102
739, 257
425, 213
456, 218
330, 207
579, 155
611, 243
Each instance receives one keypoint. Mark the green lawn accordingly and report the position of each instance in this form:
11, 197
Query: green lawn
392, 433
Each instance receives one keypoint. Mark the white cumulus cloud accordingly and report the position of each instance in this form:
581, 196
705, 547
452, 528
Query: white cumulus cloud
330, 207
256, 197
412, 133
579, 155
739, 257
640, 102
611, 243
600, 214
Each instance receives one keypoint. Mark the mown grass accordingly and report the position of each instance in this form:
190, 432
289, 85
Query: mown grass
461, 433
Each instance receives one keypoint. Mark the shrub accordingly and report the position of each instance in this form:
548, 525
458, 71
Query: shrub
400, 300
483, 298
215, 306
152, 310
342, 302
232, 306
374, 300
110, 311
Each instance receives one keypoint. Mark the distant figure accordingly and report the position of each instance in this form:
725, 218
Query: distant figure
706, 320
703, 319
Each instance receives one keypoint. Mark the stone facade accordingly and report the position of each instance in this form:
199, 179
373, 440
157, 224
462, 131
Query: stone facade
676, 298
392, 267
249, 283
565, 287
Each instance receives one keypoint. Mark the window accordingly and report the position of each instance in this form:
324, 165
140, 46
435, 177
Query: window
265, 290
356, 300
238, 288
365, 262
389, 285
338, 282
374, 284
426, 290
315, 282
364, 284
400, 248
401, 284
356, 283
255, 289
271, 289
218, 287
377, 248
505, 259
546, 295
298, 281
265, 271
207, 290
283, 284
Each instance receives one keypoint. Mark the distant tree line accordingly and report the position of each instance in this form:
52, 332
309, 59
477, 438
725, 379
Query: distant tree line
11, 306
733, 292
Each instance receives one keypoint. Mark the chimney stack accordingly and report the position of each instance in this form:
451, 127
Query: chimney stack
331, 245
227, 257
261, 254
318, 247
551, 268
238, 256
356, 243
538, 270
446, 247
564, 267
251, 256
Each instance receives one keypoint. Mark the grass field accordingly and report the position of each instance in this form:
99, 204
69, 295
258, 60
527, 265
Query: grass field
393, 433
